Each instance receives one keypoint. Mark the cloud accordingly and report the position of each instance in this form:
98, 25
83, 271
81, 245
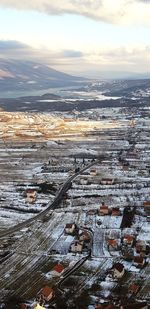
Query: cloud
131, 58
72, 54
17, 50
115, 11
11, 45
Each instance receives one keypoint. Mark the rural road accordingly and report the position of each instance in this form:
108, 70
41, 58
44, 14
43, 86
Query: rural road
50, 206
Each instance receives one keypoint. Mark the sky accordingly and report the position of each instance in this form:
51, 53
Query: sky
81, 37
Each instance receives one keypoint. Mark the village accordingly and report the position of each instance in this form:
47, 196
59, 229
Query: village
90, 248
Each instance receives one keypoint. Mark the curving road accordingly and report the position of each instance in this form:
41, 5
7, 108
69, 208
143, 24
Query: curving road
50, 206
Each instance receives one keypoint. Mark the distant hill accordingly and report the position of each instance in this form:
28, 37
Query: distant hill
22, 75
111, 75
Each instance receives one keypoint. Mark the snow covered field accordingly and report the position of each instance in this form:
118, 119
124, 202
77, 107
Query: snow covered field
118, 153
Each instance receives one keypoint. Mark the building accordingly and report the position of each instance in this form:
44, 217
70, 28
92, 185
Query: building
118, 270
92, 212
133, 288
76, 247
140, 246
116, 211
127, 252
70, 228
47, 293
110, 306
112, 244
103, 210
128, 240
107, 181
93, 172
83, 181
142, 305
58, 269
138, 261
31, 196
85, 236
146, 205
37, 306
24, 306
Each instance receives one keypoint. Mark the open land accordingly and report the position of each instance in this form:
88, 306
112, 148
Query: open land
89, 169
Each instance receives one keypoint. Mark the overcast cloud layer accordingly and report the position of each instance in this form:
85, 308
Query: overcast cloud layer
136, 59
113, 11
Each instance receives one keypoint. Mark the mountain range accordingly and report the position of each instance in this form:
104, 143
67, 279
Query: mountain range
28, 75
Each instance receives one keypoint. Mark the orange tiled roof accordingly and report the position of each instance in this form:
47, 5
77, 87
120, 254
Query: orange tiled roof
58, 268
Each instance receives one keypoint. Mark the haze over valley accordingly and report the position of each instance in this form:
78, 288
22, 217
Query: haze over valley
74, 154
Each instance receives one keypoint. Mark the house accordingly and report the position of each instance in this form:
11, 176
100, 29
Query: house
23, 306
58, 269
128, 240
70, 228
104, 210
93, 172
118, 270
92, 212
31, 195
146, 205
140, 246
127, 252
138, 261
76, 247
47, 293
133, 288
83, 181
107, 181
116, 211
98, 306
110, 306
112, 244
142, 305
85, 236
37, 306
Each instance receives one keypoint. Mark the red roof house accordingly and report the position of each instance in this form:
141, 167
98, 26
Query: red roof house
47, 293
118, 270
116, 211
59, 268
104, 210
139, 261
112, 244
128, 240
133, 288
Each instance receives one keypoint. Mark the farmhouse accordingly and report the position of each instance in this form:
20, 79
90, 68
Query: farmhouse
112, 244
107, 181
93, 172
58, 269
104, 210
47, 293
31, 195
138, 261
116, 211
133, 288
128, 240
118, 270
140, 246
85, 236
37, 306
142, 305
70, 228
147, 207
77, 247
